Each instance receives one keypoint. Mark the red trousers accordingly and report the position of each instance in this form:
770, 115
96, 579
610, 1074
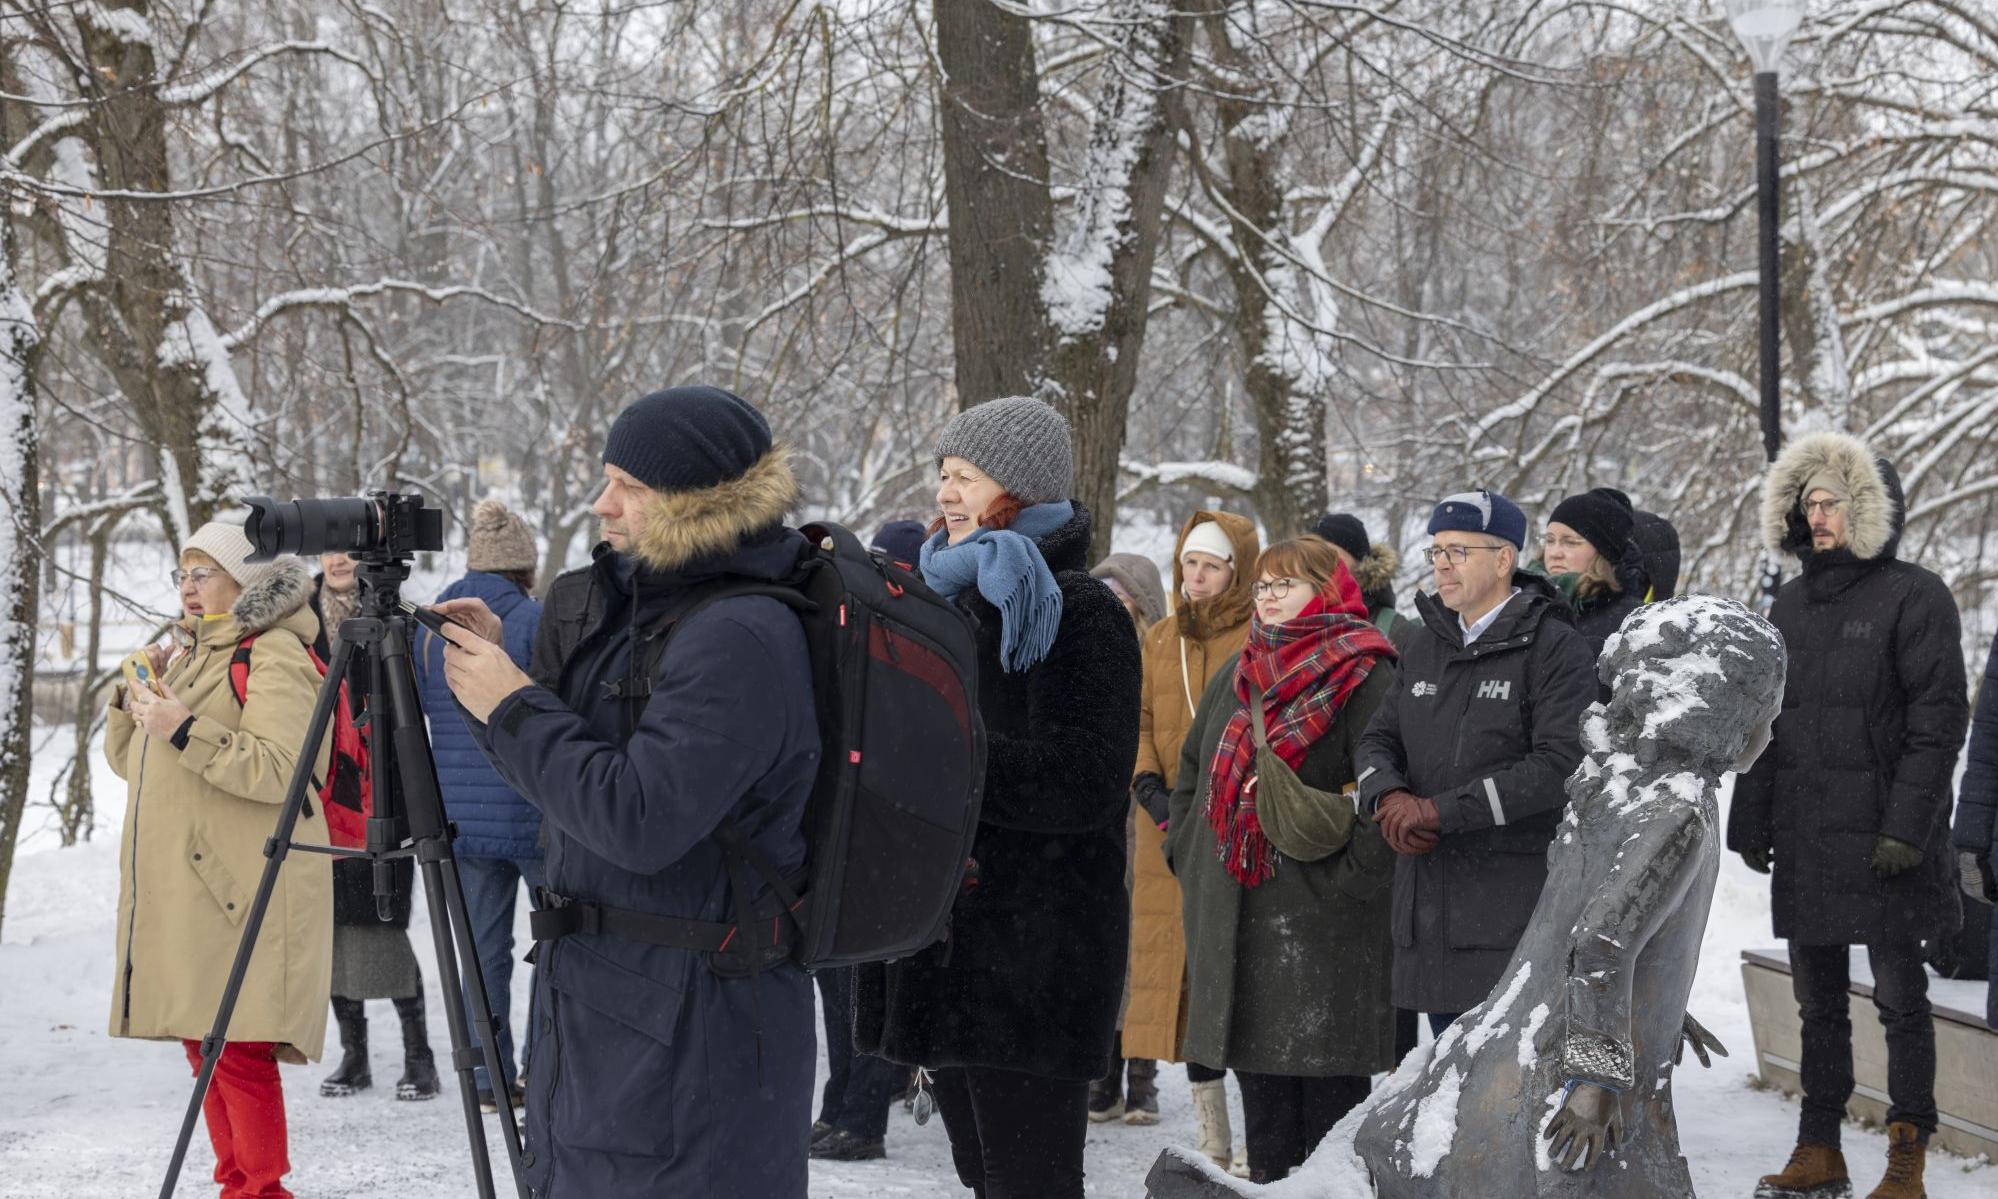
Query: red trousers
245, 1110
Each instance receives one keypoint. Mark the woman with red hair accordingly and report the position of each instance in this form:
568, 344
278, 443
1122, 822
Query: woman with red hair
1285, 884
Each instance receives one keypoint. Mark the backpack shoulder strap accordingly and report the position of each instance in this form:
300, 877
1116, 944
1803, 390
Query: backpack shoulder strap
239, 670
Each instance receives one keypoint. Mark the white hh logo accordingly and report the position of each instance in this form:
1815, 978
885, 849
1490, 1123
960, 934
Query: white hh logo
1495, 689
1421, 689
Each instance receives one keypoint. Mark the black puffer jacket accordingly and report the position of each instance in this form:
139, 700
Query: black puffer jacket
1874, 711
1033, 970
1490, 732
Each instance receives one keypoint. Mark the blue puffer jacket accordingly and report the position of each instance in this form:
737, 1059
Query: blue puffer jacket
493, 820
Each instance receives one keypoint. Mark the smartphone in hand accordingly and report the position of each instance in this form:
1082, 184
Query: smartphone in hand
139, 674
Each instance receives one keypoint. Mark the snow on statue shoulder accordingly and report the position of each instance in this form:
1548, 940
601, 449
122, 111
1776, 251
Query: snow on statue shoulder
1559, 1083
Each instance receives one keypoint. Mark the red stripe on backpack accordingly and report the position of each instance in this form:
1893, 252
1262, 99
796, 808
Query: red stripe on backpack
347, 794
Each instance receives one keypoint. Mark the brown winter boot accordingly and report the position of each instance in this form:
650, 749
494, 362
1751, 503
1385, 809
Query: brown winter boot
1907, 1153
1815, 1172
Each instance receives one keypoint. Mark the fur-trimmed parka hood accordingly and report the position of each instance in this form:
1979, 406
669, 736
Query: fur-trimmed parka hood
286, 591
1873, 509
1233, 607
710, 522
1375, 575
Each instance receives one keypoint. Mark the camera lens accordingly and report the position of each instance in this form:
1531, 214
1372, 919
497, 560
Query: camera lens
309, 527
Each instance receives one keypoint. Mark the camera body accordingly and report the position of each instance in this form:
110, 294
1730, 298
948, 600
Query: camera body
381, 527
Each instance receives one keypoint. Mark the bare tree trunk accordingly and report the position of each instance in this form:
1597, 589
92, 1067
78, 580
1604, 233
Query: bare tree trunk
995, 156
1100, 288
174, 372
21, 562
1066, 324
78, 810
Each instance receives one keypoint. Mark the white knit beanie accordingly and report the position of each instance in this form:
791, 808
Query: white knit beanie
226, 542
1208, 538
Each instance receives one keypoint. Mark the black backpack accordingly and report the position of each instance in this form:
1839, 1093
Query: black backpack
891, 818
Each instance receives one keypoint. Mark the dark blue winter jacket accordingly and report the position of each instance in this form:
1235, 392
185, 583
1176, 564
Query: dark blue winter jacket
647, 1079
1976, 828
493, 820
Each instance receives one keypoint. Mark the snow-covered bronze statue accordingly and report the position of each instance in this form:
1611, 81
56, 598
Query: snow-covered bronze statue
1559, 1083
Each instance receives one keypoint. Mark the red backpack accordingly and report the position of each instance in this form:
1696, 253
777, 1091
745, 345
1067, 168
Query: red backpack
347, 794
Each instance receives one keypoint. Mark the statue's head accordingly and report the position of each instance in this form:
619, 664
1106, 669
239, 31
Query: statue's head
1695, 677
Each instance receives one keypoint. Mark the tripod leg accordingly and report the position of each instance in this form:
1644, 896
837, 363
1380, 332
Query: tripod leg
423, 804
275, 851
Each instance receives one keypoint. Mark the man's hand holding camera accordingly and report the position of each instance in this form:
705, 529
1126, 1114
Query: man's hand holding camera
476, 665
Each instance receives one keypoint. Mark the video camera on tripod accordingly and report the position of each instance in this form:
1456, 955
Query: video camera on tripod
383, 531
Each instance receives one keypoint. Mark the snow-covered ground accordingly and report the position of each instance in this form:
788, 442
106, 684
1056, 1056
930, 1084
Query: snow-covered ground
82, 1115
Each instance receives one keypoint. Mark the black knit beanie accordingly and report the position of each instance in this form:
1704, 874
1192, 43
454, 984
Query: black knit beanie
1602, 516
687, 438
1345, 531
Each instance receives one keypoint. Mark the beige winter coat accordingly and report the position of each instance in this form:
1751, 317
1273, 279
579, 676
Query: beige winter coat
1181, 653
192, 850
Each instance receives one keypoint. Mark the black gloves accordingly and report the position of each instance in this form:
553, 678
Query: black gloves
1149, 790
1892, 857
1758, 859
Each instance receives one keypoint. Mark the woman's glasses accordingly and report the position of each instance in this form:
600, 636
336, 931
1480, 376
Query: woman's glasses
1271, 588
200, 575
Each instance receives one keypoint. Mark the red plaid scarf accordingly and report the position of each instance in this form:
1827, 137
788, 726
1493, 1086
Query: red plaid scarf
1306, 667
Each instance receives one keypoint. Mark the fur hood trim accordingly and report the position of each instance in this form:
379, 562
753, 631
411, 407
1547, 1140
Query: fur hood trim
1873, 513
286, 588
1377, 569
708, 522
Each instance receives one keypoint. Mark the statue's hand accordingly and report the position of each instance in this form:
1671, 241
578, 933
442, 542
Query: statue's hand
1588, 1127
1693, 1033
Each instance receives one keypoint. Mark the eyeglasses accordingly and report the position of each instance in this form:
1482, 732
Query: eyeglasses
200, 575
1458, 554
1828, 507
1272, 588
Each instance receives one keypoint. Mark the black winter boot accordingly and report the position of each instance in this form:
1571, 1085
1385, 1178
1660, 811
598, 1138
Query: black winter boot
419, 1069
352, 1077
1141, 1093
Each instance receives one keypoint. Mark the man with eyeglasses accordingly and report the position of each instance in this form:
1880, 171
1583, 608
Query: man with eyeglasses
1848, 807
1463, 765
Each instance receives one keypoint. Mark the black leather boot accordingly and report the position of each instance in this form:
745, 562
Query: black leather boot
352, 1077
419, 1069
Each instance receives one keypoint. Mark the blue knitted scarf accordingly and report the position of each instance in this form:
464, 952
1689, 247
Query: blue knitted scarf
1007, 568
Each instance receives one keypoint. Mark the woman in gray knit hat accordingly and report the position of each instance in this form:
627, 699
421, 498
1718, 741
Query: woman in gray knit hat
1014, 1015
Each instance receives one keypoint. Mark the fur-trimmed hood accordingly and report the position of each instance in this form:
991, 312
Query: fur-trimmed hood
1873, 510
1375, 572
1233, 607
283, 592
710, 522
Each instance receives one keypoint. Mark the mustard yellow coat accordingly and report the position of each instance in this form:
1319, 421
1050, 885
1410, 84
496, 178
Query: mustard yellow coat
1181, 653
192, 849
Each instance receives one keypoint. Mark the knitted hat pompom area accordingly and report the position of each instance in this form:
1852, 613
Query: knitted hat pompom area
499, 540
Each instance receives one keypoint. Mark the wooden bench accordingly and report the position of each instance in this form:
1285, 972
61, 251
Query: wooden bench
1966, 1049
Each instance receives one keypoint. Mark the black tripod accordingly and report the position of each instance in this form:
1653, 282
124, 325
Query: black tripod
404, 777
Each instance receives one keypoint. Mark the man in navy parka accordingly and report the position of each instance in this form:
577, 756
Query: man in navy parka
653, 1075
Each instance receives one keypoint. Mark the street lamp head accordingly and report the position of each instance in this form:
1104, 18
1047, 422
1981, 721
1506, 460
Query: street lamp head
1765, 27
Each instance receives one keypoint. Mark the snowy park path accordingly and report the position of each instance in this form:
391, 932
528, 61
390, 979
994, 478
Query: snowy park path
83, 1116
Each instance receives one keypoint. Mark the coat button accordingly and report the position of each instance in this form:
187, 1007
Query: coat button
527, 1159
225, 740
197, 857
230, 906
547, 1024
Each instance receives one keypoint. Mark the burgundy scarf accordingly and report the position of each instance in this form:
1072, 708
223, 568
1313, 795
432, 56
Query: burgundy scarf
1306, 667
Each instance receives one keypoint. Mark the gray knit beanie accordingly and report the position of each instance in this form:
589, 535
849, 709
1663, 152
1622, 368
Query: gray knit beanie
1019, 441
499, 540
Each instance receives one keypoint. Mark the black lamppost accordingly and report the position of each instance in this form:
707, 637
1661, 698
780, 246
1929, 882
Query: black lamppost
1765, 27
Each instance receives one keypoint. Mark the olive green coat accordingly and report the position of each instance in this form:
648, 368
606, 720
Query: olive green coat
192, 850
1290, 977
